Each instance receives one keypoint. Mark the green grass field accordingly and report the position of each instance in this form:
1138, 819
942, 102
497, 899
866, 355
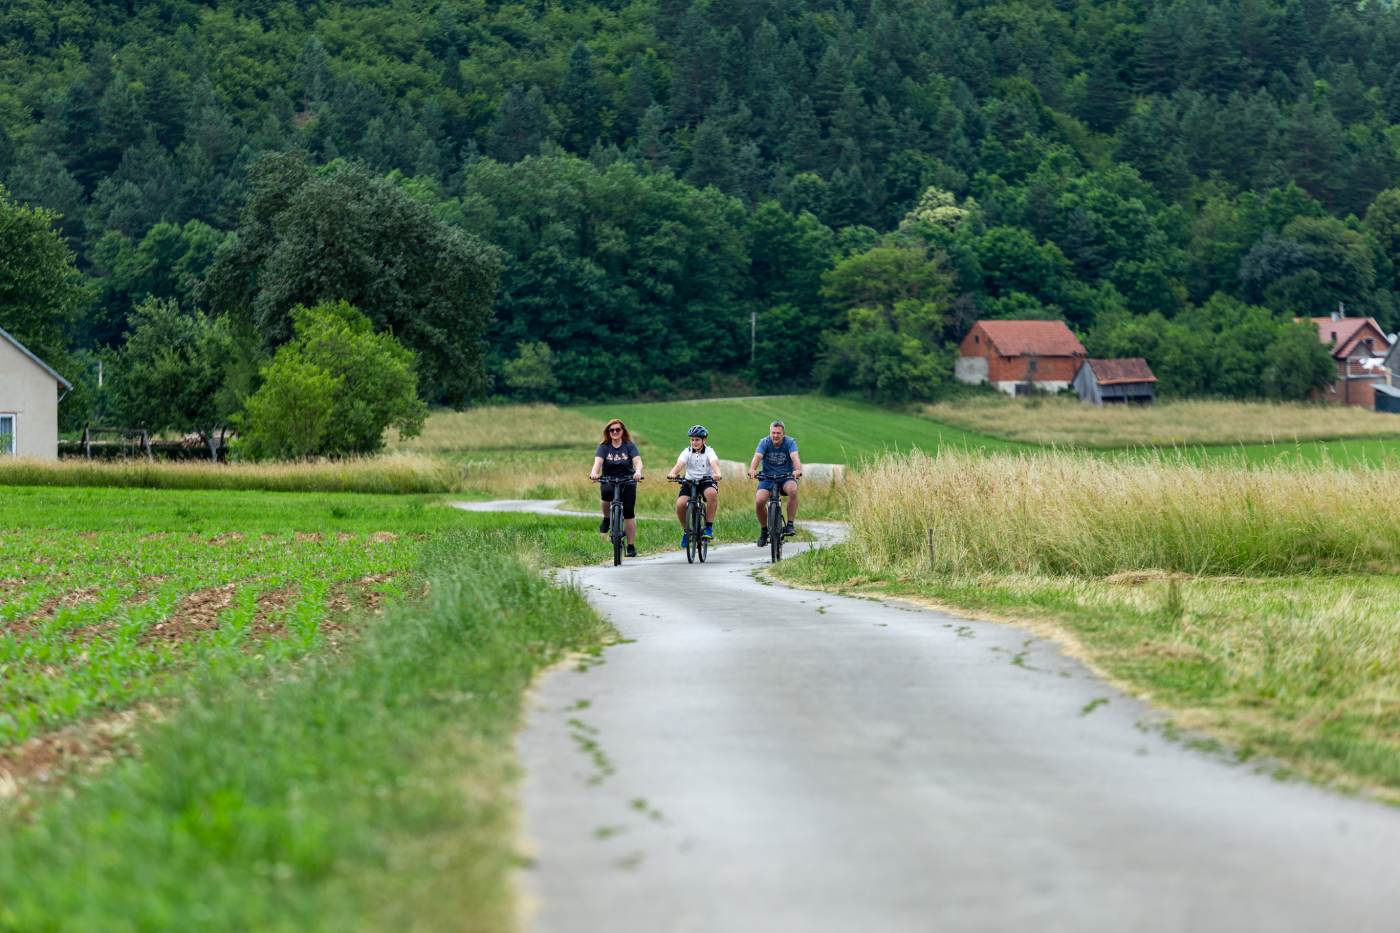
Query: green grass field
827, 430
832, 430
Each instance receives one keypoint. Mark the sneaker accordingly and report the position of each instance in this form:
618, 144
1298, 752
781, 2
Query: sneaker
763, 538
709, 532
604, 525
685, 539
631, 550
788, 529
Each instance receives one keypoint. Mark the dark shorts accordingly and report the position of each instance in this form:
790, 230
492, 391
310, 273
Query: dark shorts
770, 485
689, 487
629, 497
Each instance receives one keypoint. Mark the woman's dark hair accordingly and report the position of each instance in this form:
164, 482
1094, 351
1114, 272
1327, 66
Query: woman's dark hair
626, 435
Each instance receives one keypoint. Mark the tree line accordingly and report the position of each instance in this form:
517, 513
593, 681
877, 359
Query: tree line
631, 184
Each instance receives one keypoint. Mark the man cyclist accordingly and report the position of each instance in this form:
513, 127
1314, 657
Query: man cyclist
778, 454
700, 464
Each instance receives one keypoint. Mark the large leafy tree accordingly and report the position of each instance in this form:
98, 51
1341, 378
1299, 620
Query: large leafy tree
342, 233
172, 372
41, 291
332, 390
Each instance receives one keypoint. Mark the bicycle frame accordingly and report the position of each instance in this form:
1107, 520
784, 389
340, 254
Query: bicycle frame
776, 523
695, 543
616, 533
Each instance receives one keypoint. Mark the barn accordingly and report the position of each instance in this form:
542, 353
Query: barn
1019, 356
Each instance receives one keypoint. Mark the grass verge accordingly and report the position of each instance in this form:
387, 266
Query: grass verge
363, 792
395, 473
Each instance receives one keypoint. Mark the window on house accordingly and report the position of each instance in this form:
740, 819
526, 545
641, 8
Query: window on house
7, 434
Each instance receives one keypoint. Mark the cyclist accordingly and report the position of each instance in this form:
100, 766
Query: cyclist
617, 458
700, 464
778, 454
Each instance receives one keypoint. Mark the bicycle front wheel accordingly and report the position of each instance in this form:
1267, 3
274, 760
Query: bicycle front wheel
775, 532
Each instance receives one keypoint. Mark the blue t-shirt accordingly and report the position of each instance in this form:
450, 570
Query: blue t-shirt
777, 459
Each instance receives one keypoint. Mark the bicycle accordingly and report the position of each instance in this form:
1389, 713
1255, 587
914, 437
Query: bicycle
775, 513
616, 533
696, 544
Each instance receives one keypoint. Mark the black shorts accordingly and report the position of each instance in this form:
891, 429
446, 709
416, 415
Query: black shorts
696, 486
629, 496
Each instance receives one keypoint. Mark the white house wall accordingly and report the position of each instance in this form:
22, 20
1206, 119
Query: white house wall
971, 369
31, 395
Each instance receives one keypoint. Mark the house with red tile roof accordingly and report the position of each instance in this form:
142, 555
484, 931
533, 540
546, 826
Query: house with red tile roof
1017, 356
1359, 348
1101, 382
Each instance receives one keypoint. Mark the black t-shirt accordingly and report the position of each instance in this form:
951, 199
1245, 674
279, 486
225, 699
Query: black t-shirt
617, 461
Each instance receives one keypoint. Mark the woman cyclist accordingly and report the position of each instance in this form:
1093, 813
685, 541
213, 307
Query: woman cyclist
618, 458
700, 464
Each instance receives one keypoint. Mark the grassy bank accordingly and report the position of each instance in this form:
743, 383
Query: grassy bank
368, 791
398, 474
1065, 422
1254, 604
500, 428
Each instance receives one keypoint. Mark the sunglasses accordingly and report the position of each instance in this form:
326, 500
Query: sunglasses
614, 430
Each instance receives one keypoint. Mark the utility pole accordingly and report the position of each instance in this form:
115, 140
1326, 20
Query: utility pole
753, 333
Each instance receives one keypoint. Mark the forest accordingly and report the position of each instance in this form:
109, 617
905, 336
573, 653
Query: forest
596, 200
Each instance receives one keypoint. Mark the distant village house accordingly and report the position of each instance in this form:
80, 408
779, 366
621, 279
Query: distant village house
1361, 351
1019, 356
1123, 381
29, 395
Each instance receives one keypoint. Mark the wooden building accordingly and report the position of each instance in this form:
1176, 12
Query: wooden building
1018, 356
1110, 382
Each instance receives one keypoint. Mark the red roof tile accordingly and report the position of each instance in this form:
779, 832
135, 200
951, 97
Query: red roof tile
1344, 332
1116, 372
1032, 338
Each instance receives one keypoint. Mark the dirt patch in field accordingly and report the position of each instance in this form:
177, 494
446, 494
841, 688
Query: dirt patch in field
267, 621
349, 595
85, 746
341, 537
196, 613
303, 537
227, 537
383, 537
49, 608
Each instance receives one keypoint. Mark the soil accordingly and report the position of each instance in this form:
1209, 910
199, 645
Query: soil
197, 613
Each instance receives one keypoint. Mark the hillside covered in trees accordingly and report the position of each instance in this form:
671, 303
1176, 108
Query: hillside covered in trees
625, 183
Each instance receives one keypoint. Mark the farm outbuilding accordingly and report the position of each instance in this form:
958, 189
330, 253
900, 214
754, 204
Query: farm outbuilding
1110, 382
1388, 399
1019, 356
29, 395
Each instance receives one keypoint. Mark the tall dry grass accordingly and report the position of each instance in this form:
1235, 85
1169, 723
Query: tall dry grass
1054, 513
1067, 421
395, 473
502, 427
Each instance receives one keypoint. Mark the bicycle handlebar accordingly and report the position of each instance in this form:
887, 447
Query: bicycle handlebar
621, 480
775, 477
682, 479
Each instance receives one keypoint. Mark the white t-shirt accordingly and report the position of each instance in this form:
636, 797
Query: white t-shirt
700, 464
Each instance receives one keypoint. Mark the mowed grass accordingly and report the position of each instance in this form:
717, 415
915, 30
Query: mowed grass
1257, 604
827, 430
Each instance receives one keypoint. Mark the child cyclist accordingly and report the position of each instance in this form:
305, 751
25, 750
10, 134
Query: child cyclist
700, 465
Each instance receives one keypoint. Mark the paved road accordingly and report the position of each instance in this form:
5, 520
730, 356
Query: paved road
759, 758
